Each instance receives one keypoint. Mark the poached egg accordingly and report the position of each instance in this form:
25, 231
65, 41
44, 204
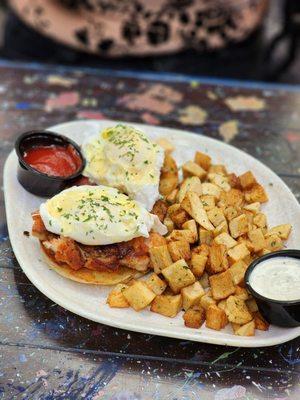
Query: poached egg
125, 158
98, 215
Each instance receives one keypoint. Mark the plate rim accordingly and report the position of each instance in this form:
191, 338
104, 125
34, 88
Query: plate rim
291, 333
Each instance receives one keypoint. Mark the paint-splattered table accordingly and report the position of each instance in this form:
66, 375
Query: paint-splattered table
47, 352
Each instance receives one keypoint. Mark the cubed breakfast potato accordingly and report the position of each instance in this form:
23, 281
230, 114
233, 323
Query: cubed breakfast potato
193, 206
194, 318
221, 285
191, 184
208, 202
191, 225
116, 297
206, 300
211, 189
238, 252
237, 311
273, 243
216, 216
179, 249
217, 259
217, 169
215, 318
138, 295
156, 284
283, 231
253, 207
225, 239
178, 275
160, 209
234, 181
257, 239
260, 220
252, 305
198, 263
221, 228
246, 329
219, 180
182, 234
205, 236
203, 160
230, 212
238, 270
204, 280
247, 180
192, 169
160, 258
256, 193
222, 304
234, 197
167, 305
172, 196
191, 295
238, 226
178, 215
169, 224
169, 176
260, 323
242, 293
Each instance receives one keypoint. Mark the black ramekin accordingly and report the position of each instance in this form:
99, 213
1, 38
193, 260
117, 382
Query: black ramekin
277, 312
37, 182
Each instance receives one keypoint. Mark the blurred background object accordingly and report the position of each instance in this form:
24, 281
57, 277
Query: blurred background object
240, 39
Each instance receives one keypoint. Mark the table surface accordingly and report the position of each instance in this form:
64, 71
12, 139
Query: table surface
48, 352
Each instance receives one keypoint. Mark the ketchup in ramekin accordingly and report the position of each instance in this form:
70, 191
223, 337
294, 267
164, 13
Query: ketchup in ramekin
48, 162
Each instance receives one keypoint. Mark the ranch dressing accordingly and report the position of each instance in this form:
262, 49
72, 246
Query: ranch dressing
277, 278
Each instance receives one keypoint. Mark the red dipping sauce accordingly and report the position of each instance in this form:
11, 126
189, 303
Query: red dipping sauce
53, 160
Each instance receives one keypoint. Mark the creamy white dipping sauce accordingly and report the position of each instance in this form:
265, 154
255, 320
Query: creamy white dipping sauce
277, 278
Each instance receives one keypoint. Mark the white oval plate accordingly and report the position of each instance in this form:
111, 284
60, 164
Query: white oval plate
90, 301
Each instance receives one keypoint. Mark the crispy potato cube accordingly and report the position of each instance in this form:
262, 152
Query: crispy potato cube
194, 318
182, 234
178, 215
238, 270
234, 198
204, 280
274, 243
205, 236
166, 145
238, 226
234, 181
221, 285
192, 227
116, 297
246, 329
237, 311
178, 275
193, 206
167, 305
260, 220
169, 176
171, 197
283, 231
242, 293
207, 300
156, 284
192, 184
257, 239
192, 169
218, 169
235, 327
138, 295
198, 263
215, 318
216, 216
222, 304
217, 259
219, 180
179, 249
238, 252
247, 180
256, 193
251, 305
260, 323
191, 295
211, 189
222, 228
225, 239
208, 202
230, 213
160, 209
160, 258
253, 207
169, 224
203, 160
263, 252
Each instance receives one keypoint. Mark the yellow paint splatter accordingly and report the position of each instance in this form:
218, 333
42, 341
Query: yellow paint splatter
211, 95
245, 103
193, 115
228, 130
